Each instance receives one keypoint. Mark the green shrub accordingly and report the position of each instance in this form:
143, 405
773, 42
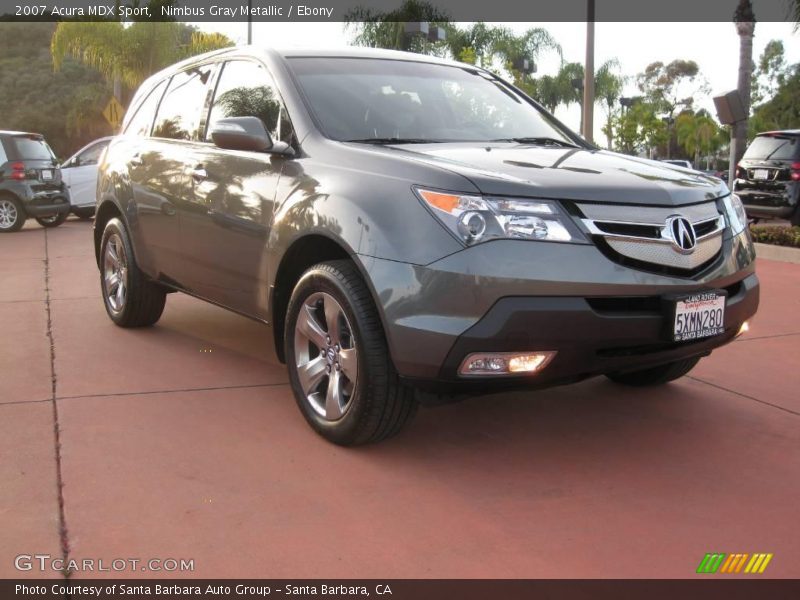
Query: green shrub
776, 235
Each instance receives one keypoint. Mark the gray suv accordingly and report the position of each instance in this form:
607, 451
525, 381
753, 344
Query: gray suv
412, 229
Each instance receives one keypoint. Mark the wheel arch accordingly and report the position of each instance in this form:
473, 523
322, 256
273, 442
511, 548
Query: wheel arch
107, 210
302, 254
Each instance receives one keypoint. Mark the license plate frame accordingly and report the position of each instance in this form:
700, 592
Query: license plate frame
761, 174
46, 174
681, 326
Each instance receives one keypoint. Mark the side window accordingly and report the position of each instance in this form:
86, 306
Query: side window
142, 121
179, 112
245, 89
3, 157
91, 155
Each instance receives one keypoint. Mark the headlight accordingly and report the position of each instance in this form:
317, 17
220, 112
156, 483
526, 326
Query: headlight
735, 213
475, 219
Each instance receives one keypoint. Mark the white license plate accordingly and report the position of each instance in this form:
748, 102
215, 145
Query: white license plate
698, 316
760, 174
47, 175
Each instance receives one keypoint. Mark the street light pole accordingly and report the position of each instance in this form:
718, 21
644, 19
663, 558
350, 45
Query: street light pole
249, 22
588, 76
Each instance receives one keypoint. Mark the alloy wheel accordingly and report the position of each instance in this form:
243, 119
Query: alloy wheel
8, 214
326, 357
115, 273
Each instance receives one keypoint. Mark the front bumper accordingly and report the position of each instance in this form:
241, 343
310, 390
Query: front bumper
525, 296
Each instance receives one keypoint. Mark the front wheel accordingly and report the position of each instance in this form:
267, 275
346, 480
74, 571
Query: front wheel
52, 220
131, 299
655, 375
339, 365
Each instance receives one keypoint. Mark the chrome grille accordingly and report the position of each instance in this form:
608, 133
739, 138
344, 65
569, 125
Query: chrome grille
642, 233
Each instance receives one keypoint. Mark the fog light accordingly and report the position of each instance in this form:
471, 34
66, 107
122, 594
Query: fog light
504, 363
744, 328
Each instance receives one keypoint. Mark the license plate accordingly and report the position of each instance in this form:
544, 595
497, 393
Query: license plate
760, 174
698, 316
47, 175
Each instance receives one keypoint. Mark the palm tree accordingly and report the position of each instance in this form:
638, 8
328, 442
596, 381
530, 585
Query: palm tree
377, 29
697, 133
608, 89
129, 54
745, 21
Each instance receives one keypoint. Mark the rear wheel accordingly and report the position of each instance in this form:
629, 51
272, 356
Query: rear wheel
84, 214
655, 375
339, 365
12, 217
52, 220
131, 300
795, 218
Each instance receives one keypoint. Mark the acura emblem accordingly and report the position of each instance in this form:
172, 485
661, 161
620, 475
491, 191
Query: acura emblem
681, 232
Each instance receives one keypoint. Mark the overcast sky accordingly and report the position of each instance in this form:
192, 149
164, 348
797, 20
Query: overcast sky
714, 46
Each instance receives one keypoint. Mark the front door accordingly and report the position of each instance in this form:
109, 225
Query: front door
224, 233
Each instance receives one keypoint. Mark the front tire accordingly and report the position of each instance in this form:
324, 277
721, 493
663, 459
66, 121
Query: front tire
131, 300
655, 375
12, 216
339, 365
52, 220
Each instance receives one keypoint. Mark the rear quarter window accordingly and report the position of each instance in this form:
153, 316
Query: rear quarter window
769, 147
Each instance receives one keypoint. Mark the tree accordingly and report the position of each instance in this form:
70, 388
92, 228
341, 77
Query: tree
608, 89
698, 133
639, 129
129, 53
387, 29
782, 111
770, 72
745, 22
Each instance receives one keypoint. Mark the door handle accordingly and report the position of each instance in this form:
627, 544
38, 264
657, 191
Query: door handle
136, 160
199, 173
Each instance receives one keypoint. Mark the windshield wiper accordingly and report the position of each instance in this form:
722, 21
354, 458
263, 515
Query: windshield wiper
394, 140
539, 141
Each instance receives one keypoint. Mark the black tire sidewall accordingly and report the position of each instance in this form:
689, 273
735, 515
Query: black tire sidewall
60, 218
346, 429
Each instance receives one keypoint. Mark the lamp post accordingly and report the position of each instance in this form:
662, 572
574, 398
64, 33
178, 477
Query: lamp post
587, 113
249, 22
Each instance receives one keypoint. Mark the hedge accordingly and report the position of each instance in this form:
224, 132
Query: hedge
776, 235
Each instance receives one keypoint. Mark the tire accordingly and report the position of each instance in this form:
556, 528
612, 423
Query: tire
53, 220
795, 218
655, 375
12, 215
84, 214
350, 392
140, 301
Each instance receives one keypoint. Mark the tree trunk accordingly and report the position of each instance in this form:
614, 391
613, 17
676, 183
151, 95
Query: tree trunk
745, 29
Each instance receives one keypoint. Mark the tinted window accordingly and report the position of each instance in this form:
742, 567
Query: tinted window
91, 155
3, 157
32, 148
773, 147
141, 123
357, 99
179, 112
245, 89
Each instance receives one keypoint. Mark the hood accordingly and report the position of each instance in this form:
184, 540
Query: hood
566, 173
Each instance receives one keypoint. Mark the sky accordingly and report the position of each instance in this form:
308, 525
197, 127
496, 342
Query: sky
714, 46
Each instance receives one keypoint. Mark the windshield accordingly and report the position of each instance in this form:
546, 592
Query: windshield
32, 148
773, 147
359, 99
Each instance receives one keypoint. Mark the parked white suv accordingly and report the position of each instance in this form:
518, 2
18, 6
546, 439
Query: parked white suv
79, 174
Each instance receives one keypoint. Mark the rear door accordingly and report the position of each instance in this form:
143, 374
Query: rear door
159, 166
233, 194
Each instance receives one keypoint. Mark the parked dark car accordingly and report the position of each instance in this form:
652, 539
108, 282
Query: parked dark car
30, 182
411, 227
768, 176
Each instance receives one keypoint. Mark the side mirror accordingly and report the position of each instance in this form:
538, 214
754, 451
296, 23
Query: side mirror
246, 133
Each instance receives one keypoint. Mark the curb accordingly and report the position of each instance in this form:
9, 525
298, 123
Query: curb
781, 253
